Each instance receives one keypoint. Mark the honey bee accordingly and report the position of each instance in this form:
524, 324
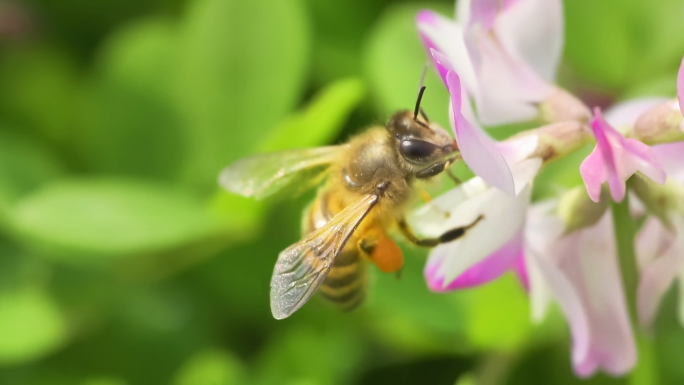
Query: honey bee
369, 183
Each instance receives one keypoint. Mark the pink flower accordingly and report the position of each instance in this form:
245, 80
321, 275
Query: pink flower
507, 54
470, 261
488, 159
615, 159
660, 248
580, 271
660, 252
680, 86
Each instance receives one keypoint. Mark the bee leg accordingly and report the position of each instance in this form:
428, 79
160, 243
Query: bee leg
437, 168
453, 177
382, 250
448, 236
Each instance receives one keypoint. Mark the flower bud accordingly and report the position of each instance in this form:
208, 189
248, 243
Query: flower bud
560, 139
659, 200
578, 210
562, 105
661, 124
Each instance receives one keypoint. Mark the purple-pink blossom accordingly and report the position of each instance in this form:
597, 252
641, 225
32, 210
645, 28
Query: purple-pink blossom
615, 159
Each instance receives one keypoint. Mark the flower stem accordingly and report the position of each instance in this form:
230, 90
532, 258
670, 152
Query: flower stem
645, 372
624, 237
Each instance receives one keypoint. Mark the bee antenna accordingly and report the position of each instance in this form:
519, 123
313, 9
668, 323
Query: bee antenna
422, 76
420, 96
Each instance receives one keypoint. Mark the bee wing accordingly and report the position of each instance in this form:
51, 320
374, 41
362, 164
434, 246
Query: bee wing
264, 174
304, 265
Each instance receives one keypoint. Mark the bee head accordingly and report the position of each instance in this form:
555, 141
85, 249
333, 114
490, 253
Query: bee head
417, 140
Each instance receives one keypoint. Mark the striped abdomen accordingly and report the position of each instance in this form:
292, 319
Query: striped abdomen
346, 282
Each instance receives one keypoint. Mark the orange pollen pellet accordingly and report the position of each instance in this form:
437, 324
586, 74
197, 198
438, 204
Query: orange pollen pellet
387, 255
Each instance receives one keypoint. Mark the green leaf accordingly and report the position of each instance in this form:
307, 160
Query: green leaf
410, 317
31, 326
211, 367
112, 217
394, 60
24, 166
498, 315
321, 120
242, 67
104, 381
302, 355
337, 47
38, 93
131, 123
618, 43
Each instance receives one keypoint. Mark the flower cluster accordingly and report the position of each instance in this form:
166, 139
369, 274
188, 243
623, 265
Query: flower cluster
501, 58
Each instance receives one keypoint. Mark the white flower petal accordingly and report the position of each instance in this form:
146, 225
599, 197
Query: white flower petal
532, 38
651, 242
432, 218
516, 149
550, 281
502, 215
462, 11
508, 90
671, 157
595, 274
661, 253
524, 172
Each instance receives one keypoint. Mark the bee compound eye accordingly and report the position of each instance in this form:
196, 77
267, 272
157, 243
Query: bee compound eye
417, 150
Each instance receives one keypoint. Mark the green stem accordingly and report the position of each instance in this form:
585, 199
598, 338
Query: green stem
645, 372
625, 232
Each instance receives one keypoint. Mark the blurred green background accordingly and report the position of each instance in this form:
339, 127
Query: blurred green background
123, 263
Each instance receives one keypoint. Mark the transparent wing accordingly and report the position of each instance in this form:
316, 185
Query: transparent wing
264, 174
304, 265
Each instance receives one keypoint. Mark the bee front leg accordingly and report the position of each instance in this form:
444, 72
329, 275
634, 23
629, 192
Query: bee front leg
438, 168
448, 236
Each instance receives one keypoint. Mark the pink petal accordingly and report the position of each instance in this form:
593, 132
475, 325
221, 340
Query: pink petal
521, 272
680, 86
431, 28
671, 157
489, 269
594, 272
615, 159
661, 267
581, 271
478, 149
446, 36
646, 160
593, 173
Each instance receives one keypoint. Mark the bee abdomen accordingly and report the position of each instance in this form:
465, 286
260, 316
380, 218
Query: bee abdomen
345, 284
